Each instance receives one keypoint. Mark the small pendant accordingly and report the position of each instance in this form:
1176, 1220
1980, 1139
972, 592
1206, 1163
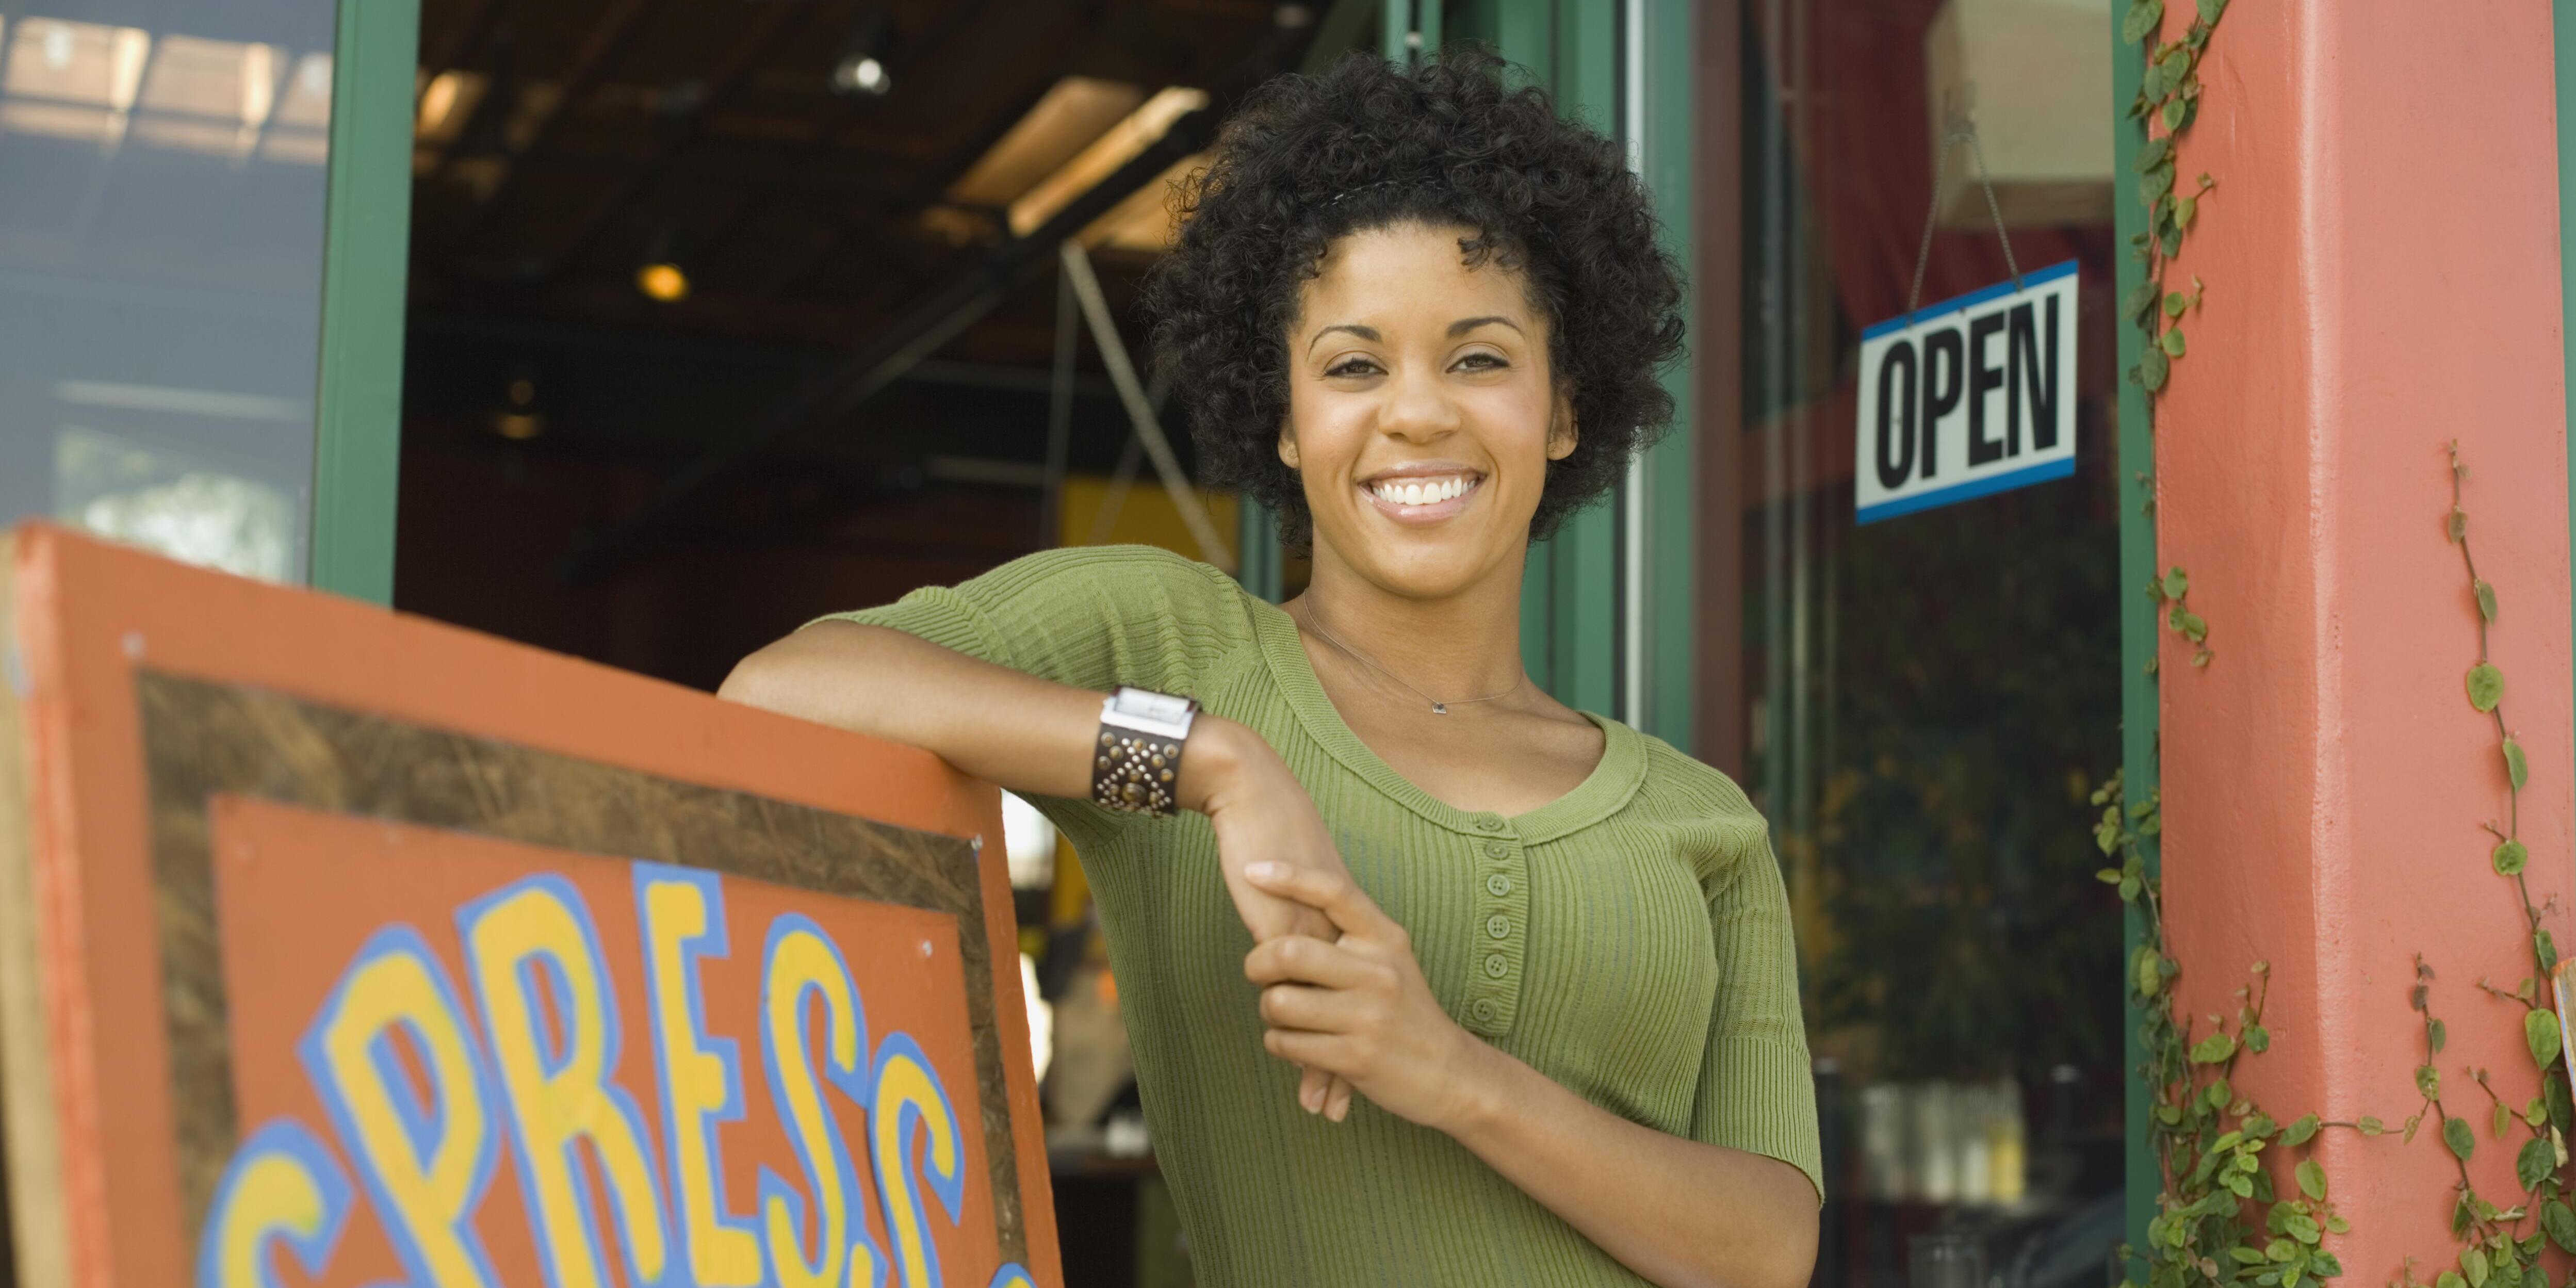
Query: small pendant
1439, 708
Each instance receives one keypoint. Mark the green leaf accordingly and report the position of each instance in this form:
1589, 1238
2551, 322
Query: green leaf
2172, 116
2257, 1039
2560, 1221
2172, 341
2510, 858
2185, 209
2457, 526
2300, 1132
2540, 1029
2152, 369
2486, 686
2562, 1114
2516, 770
2428, 1080
2213, 1049
2370, 1126
2450, 1279
2473, 1266
2245, 1256
2503, 1119
2312, 1179
2486, 599
2152, 155
2535, 1163
2139, 300
2436, 1036
2151, 979
2546, 949
2463, 1142
2176, 583
2210, 9
2534, 1277
2177, 65
2153, 184
2175, 303
2143, 18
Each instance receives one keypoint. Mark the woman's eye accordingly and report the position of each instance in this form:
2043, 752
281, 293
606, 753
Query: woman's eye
1483, 362
1352, 367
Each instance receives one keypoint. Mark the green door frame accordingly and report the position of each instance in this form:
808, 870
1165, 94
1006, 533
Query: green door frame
2138, 709
366, 253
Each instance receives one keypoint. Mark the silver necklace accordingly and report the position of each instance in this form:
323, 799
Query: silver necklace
1438, 707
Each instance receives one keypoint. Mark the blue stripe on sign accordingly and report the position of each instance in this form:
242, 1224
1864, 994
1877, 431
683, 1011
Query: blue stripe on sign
1971, 299
1968, 491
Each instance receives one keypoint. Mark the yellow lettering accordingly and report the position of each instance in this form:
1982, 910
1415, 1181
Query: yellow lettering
801, 961
683, 914
908, 1101
537, 933
424, 1161
281, 1187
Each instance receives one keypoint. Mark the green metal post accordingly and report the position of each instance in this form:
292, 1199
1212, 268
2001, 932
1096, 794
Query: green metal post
366, 258
1660, 49
1257, 536
2138, 713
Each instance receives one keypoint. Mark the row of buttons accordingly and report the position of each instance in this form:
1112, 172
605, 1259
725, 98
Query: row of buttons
1486, 1009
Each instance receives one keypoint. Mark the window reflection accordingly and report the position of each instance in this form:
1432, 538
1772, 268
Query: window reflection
161, 243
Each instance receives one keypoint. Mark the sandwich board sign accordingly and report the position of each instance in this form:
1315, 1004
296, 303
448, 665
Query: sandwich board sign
344, 948
1968, 397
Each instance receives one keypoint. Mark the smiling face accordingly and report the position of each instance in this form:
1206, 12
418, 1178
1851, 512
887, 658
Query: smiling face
1421, 412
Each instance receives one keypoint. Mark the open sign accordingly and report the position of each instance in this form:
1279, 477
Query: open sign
1968, 397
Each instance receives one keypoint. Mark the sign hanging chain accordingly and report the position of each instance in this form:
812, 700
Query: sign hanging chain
1959, 127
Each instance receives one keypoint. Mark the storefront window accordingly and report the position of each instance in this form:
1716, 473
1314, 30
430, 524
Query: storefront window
162, 180
1931, 699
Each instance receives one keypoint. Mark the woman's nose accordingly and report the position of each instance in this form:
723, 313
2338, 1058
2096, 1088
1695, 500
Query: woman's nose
1417, 409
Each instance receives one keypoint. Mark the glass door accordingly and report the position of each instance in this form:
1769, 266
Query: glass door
1931, 699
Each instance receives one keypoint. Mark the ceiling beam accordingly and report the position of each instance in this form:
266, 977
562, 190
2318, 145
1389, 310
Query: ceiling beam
771, 22
930, 323
589, 65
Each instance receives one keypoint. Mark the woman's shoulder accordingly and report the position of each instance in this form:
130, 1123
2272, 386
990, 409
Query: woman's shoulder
1131, 582
1700, 800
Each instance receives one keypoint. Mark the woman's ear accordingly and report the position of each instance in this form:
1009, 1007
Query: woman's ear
1287, 444
1561, 432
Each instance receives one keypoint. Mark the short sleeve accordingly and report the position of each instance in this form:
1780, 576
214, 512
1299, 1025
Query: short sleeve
1757, 1091
1094, 617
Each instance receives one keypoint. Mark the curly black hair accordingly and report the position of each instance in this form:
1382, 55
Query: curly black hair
1309, 159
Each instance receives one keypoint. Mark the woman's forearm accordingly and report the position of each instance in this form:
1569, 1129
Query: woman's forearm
1026, 734
1674, 1210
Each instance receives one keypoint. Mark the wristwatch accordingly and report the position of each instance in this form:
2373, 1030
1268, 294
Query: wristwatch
1136, 762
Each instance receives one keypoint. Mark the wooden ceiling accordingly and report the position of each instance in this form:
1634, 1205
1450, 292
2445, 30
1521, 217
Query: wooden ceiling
566, 142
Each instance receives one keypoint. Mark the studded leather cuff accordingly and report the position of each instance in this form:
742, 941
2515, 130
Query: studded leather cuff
1136, 761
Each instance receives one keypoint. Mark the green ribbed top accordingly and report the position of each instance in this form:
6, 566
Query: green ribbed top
1630, 940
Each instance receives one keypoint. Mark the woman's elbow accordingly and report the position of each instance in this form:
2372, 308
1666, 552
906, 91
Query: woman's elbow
763, 679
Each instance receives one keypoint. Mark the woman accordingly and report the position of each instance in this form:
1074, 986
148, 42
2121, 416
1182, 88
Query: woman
1536, 967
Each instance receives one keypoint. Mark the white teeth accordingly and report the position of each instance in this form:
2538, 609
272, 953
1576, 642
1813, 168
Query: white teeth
1420, 493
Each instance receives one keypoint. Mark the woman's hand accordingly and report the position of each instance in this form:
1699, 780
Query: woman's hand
1358, 1007
1262, 816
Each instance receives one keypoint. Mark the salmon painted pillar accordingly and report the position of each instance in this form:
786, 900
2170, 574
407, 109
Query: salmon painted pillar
2382, 268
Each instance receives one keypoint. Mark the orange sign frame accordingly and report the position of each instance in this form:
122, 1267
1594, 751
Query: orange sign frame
320, 925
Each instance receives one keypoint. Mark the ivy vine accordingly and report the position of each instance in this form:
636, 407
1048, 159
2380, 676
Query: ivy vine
2219, 1219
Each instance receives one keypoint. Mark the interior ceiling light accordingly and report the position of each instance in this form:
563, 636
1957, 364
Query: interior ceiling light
1130, 136
664, 281
660, 276
861, 68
